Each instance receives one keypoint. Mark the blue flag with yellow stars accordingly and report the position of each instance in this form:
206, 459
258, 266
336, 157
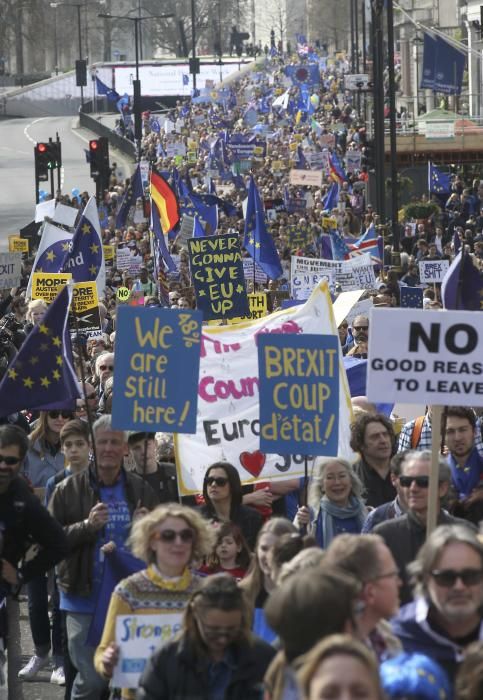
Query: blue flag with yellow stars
85, 260
41, 375
258, 242
438, 182
52, 251
411, 297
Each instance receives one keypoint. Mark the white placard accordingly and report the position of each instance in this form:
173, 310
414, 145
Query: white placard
65, 215
430, 356
125, 260
44, 209
306, 273
344, 303
361, 308
311, 178
260, 276
431, 271
351, 275
138, 637
10, 270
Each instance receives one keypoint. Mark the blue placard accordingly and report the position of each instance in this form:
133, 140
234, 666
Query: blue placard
218, 278
156, 369
299, 394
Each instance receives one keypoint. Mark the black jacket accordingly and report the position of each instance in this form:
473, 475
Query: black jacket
24, 522
248, 520
174, 672
405, 536
70, 505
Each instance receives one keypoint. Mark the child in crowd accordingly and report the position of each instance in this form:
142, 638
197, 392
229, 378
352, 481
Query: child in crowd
230, 555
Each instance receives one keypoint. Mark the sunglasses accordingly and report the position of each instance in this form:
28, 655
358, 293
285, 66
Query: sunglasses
360, 328
104, 367
218, 480
64, 414
9, 461
212, 632
186, 535
421, 481
448, 577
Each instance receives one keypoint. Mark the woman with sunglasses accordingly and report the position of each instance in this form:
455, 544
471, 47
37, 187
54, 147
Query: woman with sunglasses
44, 460
171, 539
222, 491
215, 656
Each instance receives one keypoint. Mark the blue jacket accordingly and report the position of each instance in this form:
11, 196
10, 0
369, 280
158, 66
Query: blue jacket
412, 628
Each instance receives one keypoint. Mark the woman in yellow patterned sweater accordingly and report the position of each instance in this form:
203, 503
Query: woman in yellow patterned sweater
169, 539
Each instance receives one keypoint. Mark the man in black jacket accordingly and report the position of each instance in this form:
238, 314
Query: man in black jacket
96, 508
406, 535
24, 522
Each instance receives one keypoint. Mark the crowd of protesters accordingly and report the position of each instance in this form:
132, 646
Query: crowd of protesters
278, 595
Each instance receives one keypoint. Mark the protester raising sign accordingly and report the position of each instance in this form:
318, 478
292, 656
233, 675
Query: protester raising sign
228, 421
431, 271
425, 356
299, 393
306, 274
85, 305
156, 370
217, 273
10, 270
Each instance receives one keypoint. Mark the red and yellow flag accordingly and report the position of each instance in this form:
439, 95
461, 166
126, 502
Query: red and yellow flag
163, 196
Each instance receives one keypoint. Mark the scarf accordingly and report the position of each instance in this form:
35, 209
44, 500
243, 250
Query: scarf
329, 512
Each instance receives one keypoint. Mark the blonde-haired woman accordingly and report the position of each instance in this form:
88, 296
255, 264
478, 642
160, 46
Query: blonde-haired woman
169, 539
335, 502
36, 310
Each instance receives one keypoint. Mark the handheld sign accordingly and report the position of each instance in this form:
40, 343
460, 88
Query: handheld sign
10, 270
299, 394
123, 294
431, 271
156, 369
85, 305
425, 356
217, 272
18, 245
47, 286
138, 637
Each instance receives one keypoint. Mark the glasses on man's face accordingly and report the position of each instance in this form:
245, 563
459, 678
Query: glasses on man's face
421, 481
360, 328
216, 481
103, 368
448, 577
66, 415
9, 461
169, 536
212, 632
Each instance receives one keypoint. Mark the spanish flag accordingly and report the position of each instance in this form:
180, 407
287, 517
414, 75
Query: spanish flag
165, 200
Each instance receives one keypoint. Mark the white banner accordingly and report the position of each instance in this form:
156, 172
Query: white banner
357, 273
307, 273
306, 177
431, 271
228, 405
138, 637
425, 356
260, 276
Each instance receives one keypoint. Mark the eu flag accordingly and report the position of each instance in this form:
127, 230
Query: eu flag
85, 260
411, 297
303, 73
193, 205
41, 375
462, 287
258, 241
133, 192
331, 199
438, 182
103, 89
340, 249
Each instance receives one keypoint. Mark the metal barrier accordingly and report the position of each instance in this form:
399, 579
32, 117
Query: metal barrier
124, 145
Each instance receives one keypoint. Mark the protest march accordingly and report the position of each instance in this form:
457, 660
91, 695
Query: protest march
241, 418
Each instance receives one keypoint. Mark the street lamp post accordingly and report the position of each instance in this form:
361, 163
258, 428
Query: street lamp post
136, 83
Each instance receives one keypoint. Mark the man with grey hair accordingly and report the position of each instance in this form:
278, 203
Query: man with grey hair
405, 535
445, 616
96, 509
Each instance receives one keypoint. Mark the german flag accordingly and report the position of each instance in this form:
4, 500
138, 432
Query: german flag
163, 196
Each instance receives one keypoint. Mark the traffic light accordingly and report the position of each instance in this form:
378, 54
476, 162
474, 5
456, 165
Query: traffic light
48, 156
81, 73
99, 158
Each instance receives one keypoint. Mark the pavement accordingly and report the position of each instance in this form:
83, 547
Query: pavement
20, 649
